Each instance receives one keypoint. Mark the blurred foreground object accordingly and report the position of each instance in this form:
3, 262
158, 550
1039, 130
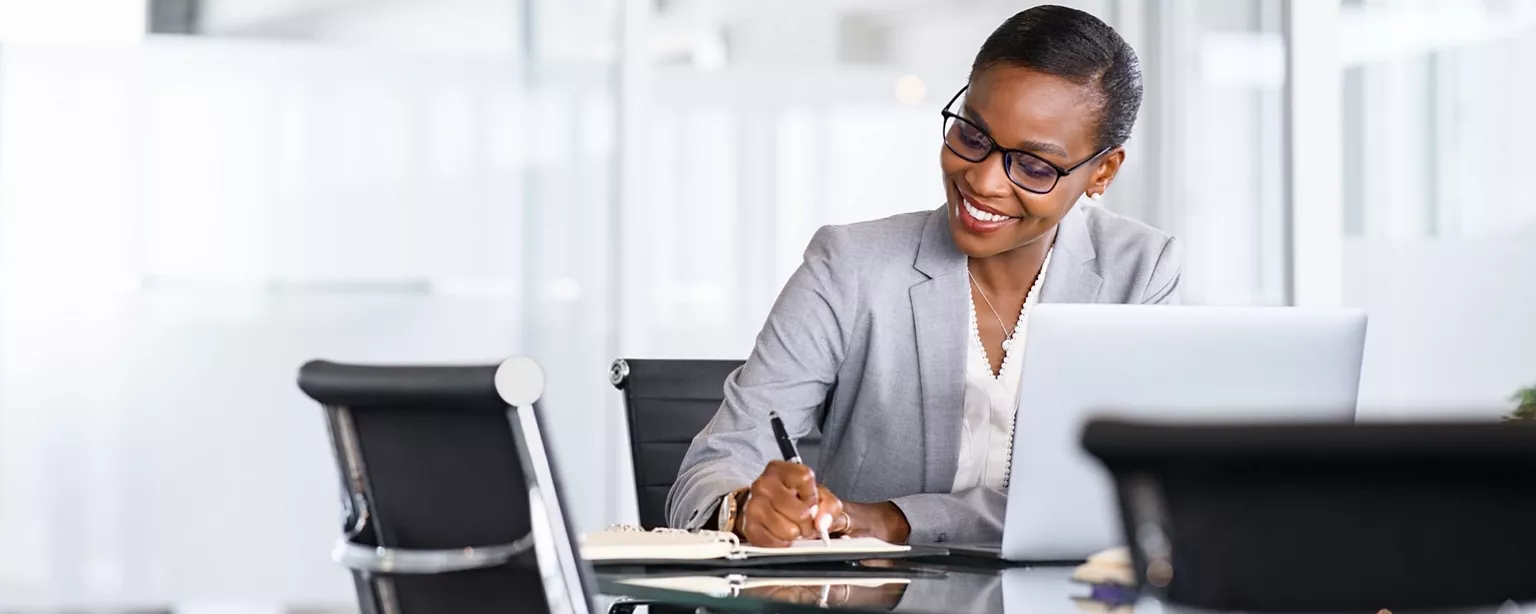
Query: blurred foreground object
1110, 567
1326, 518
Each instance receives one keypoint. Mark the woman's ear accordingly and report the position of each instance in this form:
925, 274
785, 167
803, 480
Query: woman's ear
1104, 173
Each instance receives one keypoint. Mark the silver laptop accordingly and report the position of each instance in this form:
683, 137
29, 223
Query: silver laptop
1160, 364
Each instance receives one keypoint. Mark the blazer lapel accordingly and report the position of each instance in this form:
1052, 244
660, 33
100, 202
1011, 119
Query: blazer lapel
1072, 278
939, 316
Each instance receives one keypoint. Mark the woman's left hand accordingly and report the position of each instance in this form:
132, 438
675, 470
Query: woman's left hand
879, 520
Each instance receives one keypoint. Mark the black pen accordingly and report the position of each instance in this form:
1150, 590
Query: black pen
792, 454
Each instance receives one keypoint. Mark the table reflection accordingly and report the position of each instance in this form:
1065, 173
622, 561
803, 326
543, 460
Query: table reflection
915, 589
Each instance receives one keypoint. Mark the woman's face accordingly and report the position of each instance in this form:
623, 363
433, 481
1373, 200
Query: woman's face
1045, 115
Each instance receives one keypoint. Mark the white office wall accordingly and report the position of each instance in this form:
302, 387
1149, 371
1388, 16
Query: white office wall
732, 189
1440, 203
184, 223
58, 22
460, 28
1451, 331
1210, 146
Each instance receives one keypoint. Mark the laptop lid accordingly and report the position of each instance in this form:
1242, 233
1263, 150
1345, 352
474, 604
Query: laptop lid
1161, 364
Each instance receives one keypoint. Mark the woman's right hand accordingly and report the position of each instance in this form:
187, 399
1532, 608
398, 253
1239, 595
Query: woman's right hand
783, 505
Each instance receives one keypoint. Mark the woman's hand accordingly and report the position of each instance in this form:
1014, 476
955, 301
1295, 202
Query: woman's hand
881, 520
785, 504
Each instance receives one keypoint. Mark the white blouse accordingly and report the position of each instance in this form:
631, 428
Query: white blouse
991, 400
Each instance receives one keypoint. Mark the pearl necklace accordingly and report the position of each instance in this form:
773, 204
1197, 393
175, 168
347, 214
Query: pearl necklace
1029, 299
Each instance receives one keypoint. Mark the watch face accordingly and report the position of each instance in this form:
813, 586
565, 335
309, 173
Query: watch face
727, 513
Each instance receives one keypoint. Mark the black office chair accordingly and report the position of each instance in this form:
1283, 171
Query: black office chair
445, 476
667, 403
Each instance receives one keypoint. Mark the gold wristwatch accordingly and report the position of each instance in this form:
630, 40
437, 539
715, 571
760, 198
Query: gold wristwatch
730, 509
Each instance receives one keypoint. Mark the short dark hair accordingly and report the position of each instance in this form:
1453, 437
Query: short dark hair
1078, 47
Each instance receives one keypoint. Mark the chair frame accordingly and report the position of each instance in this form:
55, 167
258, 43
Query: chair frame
520, 383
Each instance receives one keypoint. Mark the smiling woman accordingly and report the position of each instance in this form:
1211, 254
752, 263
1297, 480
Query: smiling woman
924, 445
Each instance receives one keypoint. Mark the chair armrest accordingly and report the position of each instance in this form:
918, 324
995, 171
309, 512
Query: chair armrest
359, 557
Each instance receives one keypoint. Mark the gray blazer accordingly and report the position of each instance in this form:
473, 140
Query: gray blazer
867, 340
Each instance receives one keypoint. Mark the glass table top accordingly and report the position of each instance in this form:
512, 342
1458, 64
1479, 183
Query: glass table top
941, 587
890, 587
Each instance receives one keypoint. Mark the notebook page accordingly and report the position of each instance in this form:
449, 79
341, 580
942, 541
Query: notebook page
636, 545
714, 585
841, 545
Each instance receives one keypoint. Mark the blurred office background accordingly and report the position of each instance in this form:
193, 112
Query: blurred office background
196, 196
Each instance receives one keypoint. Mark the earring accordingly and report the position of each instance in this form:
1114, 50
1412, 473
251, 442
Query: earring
1095, 197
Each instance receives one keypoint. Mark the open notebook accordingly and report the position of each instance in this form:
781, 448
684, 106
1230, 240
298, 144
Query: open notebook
623, 544
734, 584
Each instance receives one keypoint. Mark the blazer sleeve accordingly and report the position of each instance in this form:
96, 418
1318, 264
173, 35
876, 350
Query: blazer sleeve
793, 365
969, 516
1163, 287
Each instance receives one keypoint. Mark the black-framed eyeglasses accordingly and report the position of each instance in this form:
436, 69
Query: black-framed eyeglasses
1026, 170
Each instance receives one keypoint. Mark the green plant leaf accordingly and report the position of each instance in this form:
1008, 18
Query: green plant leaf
1526, 400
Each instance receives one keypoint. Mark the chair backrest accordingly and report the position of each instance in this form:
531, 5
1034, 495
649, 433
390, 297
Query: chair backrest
445, 475
667, 403
1326, 517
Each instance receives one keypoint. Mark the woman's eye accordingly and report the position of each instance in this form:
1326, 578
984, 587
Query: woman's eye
973, 137
1035, 168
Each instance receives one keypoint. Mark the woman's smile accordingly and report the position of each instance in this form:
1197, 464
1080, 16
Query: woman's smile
980, 218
